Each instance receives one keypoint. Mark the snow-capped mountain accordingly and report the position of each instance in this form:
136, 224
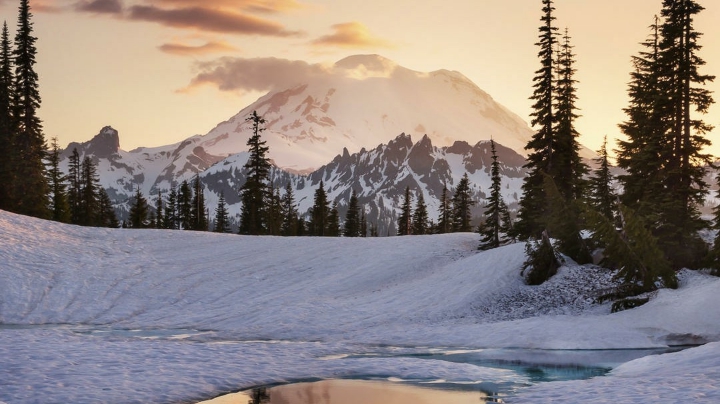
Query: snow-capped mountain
366, 100
361, 103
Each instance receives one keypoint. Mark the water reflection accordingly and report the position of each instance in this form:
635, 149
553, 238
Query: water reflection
259, 396
353, 392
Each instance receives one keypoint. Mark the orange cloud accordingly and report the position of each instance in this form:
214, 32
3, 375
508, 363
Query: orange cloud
211, 20
191, 50
258, 74
353, 35
100, 6
45, 6
263, 6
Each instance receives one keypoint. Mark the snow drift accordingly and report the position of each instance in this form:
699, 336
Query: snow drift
187, 315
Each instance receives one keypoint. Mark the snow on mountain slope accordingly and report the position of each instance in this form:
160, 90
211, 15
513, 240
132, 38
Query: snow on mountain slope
366, 100
380, 176
113, 315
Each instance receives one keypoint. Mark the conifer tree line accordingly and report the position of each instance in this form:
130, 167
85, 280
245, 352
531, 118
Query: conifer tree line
650, 229
24, 186
454, 213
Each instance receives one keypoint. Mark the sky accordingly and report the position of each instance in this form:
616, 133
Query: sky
160, 71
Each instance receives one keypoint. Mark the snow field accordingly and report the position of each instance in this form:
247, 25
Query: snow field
231, 312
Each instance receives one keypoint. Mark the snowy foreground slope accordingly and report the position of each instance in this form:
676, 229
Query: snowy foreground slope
120, 316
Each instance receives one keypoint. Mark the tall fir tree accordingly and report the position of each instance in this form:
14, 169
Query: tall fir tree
663, 154
171, 217
74, 186
420, 221
30, 189
641, 154
159, 211
106, 212
333, 226
444, 224
685, 96
569, 169
89, 193
138, 210
462, 203
222, 218
491, 229
274, 212
320, 212
198, 218
59, 207
352, 217
7, 131
254, 192
601, 195
542, 146
184, 206
405, 219
289, 213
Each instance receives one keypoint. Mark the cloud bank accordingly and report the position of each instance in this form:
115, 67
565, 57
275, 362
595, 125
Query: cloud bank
352, 35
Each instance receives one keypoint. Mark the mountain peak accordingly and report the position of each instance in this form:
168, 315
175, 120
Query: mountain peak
105, 143
368, 65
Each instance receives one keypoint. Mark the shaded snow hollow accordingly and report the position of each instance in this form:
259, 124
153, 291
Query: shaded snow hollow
120, 316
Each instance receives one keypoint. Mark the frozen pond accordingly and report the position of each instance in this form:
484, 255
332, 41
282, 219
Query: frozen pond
307, 370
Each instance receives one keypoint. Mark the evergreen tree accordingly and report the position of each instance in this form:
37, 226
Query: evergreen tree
159, 212
663, 154
641, 154
171, 218
363, 223
30, 185
253, 192
491, 229
59, 207
138, 211
634, 251
274, 212
289, 213
222, 219
681, 83
565, 225
444, 224
405, 219
89, 193
333, 227
198, 219
569, 168
602, 197
301, 226
75, 186
420, 217
542, 146
542, 261
184, 206
106, 212
506, 222
6, 123
320, 212
462, 204
352, 217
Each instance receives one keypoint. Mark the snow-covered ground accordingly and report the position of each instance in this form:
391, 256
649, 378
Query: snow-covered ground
138, 316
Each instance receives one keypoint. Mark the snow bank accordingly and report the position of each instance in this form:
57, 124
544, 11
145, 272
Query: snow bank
323, 297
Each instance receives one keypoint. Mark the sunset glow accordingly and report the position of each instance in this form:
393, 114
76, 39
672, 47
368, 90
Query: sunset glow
141, 65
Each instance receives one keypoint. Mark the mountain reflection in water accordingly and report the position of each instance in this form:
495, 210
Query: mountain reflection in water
351, 392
